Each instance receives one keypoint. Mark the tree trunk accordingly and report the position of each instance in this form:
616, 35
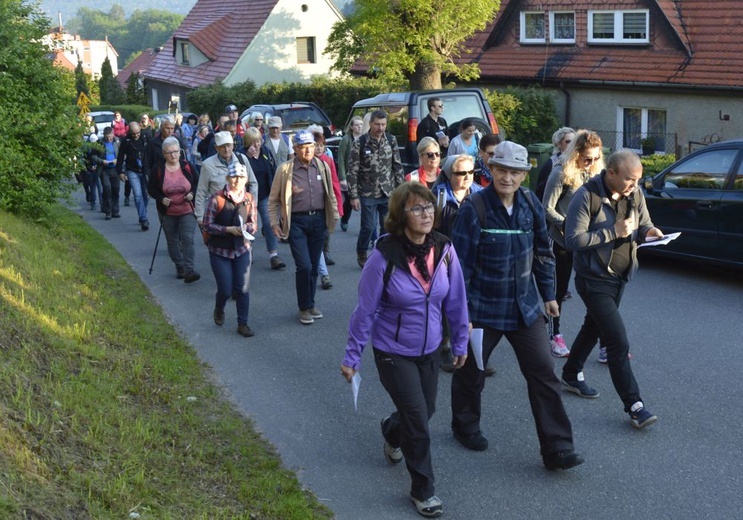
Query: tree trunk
427, 76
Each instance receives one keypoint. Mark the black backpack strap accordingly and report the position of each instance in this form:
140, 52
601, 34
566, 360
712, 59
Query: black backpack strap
387, 275
526, 193
480, 209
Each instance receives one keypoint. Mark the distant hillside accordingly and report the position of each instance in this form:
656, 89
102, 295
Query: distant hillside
69, 8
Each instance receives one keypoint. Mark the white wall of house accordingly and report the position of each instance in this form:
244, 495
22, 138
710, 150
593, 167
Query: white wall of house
695, 117
92, 53
272, 55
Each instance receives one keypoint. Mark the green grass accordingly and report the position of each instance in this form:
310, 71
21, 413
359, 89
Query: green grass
99, 418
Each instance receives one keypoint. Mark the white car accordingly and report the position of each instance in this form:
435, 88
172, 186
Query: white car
102, 120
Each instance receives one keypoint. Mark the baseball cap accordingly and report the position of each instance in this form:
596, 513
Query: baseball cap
304, 137
230, 108
511, 155
221, 138
274, 122
237, 170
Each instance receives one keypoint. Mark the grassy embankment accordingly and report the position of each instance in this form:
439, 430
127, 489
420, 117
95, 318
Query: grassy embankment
104, 410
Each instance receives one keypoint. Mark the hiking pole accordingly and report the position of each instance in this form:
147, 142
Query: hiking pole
157, 242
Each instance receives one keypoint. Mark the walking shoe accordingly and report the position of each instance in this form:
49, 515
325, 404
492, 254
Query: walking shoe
564, 459
108, 216
315, 313
641, 418
328, 259
446, 361
191, 277
567, 296
116, 215
558, 346
145, 225
431, 507
361, 258
126, 201
277, 262
325, 280
218, 316
604, 357
344, 226
579, 387
392, 454
473, 441
180, 272
489, 371
306, 318
244, 330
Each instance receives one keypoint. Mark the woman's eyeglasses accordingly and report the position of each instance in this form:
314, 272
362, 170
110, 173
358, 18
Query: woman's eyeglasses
418, 210
431, 155
463, 173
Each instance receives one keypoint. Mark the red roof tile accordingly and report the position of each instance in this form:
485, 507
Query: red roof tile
221, 31
138, 64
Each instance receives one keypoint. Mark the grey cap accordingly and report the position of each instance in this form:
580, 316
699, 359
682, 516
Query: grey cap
512, 156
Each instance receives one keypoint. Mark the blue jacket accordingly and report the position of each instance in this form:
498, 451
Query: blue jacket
402, 319
501, 262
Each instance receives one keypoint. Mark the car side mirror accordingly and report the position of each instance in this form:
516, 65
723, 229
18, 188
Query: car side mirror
647, 183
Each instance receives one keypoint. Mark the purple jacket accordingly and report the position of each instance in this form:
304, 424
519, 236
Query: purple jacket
405, 320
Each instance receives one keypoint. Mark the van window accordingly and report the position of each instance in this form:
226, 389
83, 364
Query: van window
456, 108
397, 121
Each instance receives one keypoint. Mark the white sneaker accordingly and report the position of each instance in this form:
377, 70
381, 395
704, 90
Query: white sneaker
392, 454
431, 507
558, 346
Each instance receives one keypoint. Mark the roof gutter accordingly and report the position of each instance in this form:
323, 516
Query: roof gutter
649, 84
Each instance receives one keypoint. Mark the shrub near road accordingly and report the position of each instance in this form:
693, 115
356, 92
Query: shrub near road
104, 409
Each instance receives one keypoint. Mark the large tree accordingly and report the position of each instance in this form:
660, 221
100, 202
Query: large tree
41, 133
413, 40
111, 91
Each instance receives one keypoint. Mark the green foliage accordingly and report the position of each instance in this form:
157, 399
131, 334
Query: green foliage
81, 80
128, 112
143, 29
38, 122
335, 96
135, 91
410, 40
528, 115
111, 91
656, 163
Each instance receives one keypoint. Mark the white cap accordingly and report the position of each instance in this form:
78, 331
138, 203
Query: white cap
221, 138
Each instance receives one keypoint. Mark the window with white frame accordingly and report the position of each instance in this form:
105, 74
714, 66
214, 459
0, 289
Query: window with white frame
628, 27
562, 27
638, 124
532, 27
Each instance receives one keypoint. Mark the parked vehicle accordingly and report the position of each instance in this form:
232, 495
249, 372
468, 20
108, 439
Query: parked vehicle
102, 119
701, 195
294, 116
406, 109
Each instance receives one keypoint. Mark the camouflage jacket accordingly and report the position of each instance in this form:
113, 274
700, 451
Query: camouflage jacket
375, 168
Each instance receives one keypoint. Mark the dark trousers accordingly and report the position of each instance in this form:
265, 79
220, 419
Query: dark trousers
535, 361
373, 212
111, 184
233, 278
603, 321
306, 239
563, 271
347, 209
412, 383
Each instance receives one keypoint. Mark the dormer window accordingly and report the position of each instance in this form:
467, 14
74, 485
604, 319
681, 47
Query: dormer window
562, 27
624, 27
184, 53
532, 27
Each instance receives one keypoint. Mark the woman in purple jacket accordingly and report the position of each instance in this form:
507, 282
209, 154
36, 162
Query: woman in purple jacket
410, 281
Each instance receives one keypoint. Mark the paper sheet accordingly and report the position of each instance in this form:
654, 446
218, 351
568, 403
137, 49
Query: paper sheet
652, 241
355, 384
476, 344
247, 235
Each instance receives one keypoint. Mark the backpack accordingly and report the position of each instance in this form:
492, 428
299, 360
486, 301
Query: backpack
481, 210
391, 269
221, 199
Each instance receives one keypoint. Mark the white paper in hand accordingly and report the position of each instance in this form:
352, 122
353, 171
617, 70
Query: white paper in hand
247, 235
476, 344
355, 384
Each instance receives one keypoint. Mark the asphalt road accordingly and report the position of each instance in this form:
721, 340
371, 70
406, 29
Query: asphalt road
685, 328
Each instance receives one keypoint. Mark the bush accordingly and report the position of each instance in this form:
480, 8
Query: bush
652, 164
128, 112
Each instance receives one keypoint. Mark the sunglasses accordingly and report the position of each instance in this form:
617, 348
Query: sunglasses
431, 155
464, 173
590, 160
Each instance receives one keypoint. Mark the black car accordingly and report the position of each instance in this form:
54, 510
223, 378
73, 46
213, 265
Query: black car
701, 196
407, 109
294, 116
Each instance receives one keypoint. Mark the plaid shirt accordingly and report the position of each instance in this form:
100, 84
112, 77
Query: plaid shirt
498, 262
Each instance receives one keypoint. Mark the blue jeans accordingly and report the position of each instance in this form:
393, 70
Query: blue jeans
233, 277
372, 211
272, 243
93, 180
138, 182
306, 238
179, 233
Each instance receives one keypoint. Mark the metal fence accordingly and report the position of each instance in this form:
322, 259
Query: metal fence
642, 144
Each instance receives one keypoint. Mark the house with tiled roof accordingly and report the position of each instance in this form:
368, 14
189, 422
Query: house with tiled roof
259, 40
670, 69
137, 66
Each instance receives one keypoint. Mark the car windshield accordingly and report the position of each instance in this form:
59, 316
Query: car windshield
456, 108
301, 117
397, 121
103, 118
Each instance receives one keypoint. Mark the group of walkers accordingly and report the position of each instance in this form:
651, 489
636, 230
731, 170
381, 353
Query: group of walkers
456, 256
455, 246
